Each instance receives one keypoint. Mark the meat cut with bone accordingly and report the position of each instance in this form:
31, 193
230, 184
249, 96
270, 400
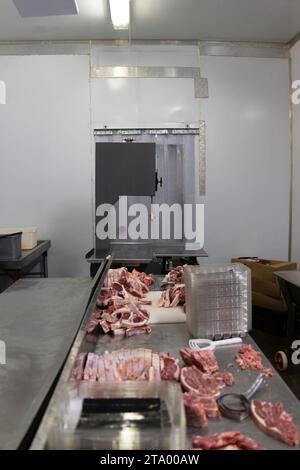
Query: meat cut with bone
126, 364
276, 422
120, 308
205, 360
173, 296
199, 409
175, 276
193, 380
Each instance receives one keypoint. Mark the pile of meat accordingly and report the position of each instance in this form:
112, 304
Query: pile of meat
202, 382
120, 308
225, 441
248, 358
125, 364
175, 276
173, 296
276, 422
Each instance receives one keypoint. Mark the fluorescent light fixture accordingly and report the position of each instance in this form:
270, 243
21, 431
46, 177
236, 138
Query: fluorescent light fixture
120, 13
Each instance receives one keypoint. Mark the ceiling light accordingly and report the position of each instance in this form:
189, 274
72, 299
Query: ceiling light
120, 13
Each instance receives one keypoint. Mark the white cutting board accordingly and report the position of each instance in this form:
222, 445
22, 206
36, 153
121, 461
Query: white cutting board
163, 314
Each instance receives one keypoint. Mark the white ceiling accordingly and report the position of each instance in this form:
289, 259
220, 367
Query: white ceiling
227, 20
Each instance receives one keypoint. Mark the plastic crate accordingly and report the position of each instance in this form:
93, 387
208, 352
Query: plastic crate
10, 246
218, 300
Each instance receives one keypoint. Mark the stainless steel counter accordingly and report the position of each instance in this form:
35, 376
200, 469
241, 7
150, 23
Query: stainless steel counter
174, 336
170, 338
39, 320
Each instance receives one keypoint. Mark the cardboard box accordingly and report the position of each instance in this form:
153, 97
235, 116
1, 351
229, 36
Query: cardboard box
266, 292
265, 268
271, 289
263, 301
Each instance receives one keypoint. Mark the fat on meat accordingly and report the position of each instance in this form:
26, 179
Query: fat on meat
205, 360
78, 368
139, 364
225, 441
275, 421
169, 367
193, 380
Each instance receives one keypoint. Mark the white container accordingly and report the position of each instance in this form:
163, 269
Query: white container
29, 235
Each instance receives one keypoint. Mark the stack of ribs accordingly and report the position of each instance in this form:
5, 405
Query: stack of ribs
175, 295
120, 308
125, 364
175, 276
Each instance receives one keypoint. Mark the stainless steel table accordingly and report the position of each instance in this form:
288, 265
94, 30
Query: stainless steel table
39, 320
143, 253
170, 338
13, 269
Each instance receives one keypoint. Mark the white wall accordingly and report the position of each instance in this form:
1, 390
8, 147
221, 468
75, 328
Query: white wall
45, 162
45, 147
295, 56
247, 203
147, 102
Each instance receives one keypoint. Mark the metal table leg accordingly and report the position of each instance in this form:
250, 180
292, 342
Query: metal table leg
45, 264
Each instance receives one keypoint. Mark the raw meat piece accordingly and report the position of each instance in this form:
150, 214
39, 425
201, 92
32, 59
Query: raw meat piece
175, 276
169, 367
101, 369
145, 278
193, 380
205, 360
193, 400
276, 422
195, 412
121, 301
225, 441
224, 378
248, 358
78, 368
173, 296
121, 365
119, 332
154, 372
104, 325
210, 406
92, 325
138, 331
91, 368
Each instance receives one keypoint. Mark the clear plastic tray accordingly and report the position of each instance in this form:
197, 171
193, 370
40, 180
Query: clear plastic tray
73, 428
218, 300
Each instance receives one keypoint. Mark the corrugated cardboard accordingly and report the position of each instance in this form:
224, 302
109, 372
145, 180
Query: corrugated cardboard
263, 301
